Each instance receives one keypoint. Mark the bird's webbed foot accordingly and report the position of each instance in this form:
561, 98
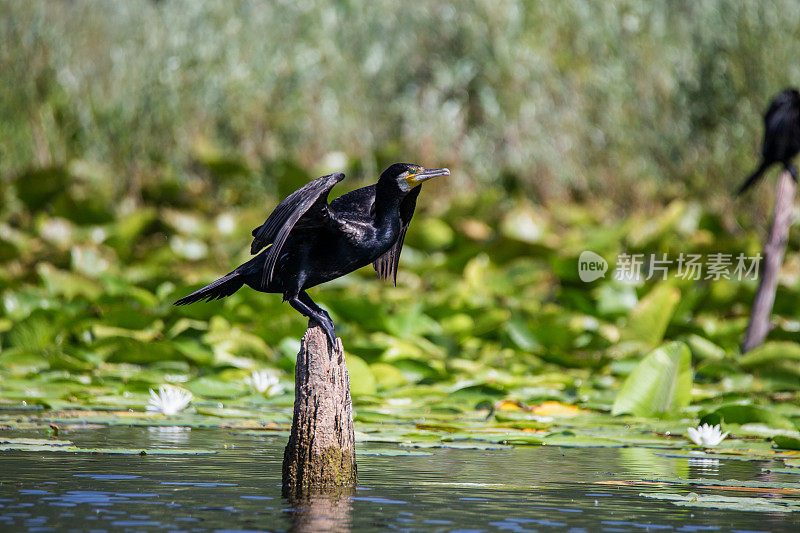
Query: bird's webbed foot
330, 331
307, 307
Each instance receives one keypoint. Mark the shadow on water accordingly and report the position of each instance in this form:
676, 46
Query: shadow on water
540, 488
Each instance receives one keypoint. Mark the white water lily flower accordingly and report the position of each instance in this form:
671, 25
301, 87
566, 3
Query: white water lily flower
264, 381
706, 435
170, 400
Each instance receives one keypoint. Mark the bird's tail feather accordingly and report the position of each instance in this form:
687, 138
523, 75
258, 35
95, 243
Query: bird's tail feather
224, 286
752, 178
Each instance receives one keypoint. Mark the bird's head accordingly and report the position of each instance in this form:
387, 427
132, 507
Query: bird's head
407, 176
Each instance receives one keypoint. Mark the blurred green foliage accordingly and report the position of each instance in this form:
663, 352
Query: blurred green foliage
138, 153
627, 100
87, 316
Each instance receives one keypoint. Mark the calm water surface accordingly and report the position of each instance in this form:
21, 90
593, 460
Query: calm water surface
238, 489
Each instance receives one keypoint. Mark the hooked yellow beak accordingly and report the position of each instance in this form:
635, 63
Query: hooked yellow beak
424, 174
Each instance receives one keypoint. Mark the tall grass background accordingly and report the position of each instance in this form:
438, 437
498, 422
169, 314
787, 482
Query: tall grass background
628, 101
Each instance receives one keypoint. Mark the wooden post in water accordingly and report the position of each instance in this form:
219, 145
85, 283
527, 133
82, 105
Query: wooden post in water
320, 454
774, 249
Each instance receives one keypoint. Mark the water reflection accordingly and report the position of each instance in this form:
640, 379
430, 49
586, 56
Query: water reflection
169, 434
703, 466
652, 463
238, 488
321, 512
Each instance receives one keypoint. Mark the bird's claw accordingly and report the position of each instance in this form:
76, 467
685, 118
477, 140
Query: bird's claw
330, 331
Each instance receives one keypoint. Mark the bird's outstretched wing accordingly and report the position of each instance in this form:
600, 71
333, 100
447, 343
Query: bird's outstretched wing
386, 265
307, 206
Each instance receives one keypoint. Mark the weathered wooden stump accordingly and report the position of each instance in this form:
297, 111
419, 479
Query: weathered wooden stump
774, 249
320, 454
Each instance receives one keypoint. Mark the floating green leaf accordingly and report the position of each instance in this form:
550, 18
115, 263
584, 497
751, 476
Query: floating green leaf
104, 451
787, 443
762, 505
704, 349
362, 382
747, 414
387, 376
659, 385
648, 322
777, 357
391, 452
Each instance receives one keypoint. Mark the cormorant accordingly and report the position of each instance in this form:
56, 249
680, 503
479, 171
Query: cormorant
306, 241
781, 135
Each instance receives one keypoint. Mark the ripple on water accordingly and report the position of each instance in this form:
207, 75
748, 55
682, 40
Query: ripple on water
238, 489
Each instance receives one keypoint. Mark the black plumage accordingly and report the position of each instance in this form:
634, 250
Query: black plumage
305, 241
781, 136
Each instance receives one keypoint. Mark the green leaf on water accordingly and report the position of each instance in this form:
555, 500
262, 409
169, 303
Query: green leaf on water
459, 445
210, 387
227, 412
790, 470
704, 349
362, 382
787, 443
762, 505
648, 321
22, 362
21, 441
387, 376
659, 385
780, 357
106, 451
391, 452
747, 414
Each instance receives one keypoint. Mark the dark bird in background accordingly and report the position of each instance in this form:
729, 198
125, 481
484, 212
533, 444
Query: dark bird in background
781, 136
307, 241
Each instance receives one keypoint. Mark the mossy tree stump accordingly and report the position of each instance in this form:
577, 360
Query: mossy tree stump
320, 454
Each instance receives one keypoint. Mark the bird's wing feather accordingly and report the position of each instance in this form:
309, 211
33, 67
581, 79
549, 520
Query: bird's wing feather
359, 201
386, 265
307, 207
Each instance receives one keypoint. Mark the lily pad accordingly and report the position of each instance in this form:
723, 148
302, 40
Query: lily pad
106, 451
761, 505
745, 414
362, 382
787, 443
460, 445
659, 385
391, 452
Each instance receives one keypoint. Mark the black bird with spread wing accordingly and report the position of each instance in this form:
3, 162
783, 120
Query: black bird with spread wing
781, 136
307, 241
